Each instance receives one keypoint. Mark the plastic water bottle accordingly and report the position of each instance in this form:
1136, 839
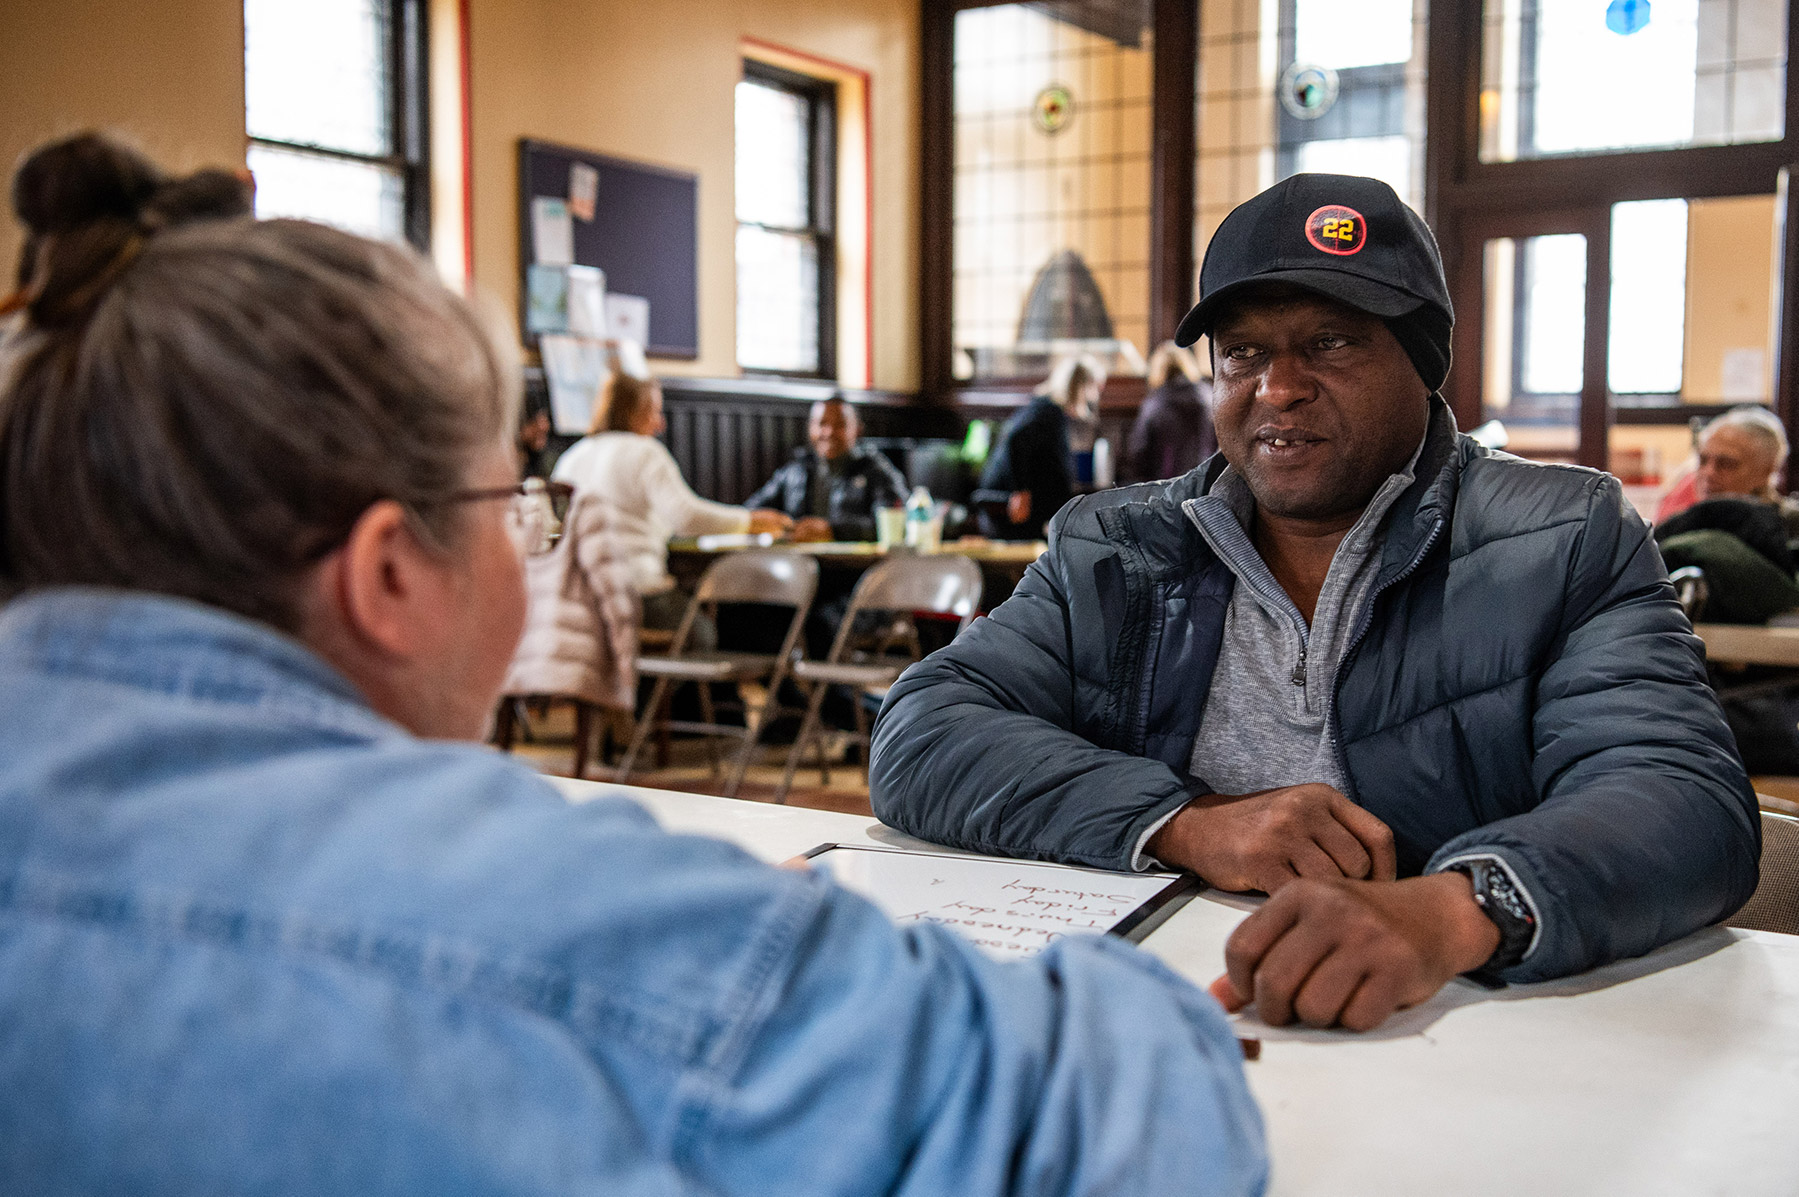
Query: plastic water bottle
920, 514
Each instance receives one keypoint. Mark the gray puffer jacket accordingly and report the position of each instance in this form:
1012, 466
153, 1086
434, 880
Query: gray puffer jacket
1524, 685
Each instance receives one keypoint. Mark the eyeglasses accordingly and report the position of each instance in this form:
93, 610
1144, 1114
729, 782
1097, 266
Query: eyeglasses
530, 514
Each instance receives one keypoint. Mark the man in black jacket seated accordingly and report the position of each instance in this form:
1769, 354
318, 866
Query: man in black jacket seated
1440, 703
832, 488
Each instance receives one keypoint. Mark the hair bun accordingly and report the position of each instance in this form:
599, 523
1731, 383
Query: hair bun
82, 180
87, 204
203, 195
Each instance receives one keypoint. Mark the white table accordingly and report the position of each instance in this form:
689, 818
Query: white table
1749, 644
1677, 1074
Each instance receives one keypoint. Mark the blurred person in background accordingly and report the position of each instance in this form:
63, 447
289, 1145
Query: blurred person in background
637, 479
1728, 519
1740, 454
1030, 473
833, 485
1173, 430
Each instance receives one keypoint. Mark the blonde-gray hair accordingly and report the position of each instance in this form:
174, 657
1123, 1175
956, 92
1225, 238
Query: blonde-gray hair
1070, 376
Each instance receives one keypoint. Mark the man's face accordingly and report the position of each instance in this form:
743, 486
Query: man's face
1731, 462
1316, 403
832, 430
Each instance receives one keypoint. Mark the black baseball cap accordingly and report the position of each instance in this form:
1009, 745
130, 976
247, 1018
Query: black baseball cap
1345, 237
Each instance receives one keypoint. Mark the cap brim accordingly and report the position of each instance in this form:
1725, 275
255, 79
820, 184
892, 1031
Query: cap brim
1363, 294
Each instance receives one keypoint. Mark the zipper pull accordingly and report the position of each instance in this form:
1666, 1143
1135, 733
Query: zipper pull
1299, 670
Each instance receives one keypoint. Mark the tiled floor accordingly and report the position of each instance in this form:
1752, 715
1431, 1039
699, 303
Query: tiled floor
551, 750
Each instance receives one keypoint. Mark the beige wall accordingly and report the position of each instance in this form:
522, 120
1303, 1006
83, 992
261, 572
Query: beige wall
168, 75
1730, 293
655, 82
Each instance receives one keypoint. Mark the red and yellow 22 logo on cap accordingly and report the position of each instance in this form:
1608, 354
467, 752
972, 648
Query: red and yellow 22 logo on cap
1337, 230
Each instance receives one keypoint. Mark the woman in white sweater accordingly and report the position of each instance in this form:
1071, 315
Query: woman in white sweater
622, 463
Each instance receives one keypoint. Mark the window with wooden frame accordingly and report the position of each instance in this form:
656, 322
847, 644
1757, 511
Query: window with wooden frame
786, 236
334, 99
1607, 184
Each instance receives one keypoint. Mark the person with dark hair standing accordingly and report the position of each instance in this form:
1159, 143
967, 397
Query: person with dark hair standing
1438, 702
1030, 473
268, 922
833, 484
1173, 430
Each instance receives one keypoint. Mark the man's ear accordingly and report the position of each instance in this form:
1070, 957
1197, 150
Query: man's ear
388, 588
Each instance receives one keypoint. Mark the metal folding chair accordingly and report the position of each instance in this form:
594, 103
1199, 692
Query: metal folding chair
943, 585
1775, 903
756, 576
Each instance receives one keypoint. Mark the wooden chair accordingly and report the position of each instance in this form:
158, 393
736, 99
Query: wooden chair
757, 576
942, 585
1775, 904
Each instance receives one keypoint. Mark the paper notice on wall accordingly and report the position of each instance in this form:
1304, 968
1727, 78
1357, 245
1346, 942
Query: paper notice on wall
628, 319
1744, 375
574, 367
587, 301
547, 299
583, 190
552, 232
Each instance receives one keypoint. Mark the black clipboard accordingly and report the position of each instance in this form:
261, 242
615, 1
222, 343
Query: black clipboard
1150, 912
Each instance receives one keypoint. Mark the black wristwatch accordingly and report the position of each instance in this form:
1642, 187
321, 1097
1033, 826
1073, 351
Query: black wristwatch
1500, 901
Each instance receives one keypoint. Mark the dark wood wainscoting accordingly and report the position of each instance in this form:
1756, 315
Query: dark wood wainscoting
729, 434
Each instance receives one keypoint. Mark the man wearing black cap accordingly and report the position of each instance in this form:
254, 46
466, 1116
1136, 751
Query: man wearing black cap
1439, 702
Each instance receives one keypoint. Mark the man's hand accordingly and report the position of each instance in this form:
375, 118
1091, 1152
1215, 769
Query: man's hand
1350, 953
1018, 506
764, 519
1264, 840
811, 529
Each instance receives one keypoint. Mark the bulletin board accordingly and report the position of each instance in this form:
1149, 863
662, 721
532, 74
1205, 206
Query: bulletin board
643, 232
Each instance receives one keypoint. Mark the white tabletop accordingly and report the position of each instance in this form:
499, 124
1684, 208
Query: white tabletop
1749, 644
1674, 1074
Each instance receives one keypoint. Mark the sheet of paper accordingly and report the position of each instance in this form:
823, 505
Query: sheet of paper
552, 232
547, 299
1007, 908
587, 302
717, 542
1744, 374
628, 318
583, 189
574, 367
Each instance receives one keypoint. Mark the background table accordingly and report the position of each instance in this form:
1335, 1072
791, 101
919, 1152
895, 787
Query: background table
1676, 1074
1749, 644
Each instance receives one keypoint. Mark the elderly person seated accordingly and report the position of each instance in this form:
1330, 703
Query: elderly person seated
1742, 453
1736, 526
833, 485
270, 923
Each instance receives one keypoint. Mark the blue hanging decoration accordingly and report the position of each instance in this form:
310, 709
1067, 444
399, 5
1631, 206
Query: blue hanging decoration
1626, 17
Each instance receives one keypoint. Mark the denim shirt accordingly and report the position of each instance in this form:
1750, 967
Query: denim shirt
255, 938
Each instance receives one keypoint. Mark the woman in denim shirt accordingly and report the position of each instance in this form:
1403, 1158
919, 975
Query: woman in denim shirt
270, 923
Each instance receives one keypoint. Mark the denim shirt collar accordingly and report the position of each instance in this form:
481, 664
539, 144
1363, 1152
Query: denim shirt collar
182, 649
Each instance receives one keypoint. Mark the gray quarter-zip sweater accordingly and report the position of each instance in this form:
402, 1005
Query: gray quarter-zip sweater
1267, 713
